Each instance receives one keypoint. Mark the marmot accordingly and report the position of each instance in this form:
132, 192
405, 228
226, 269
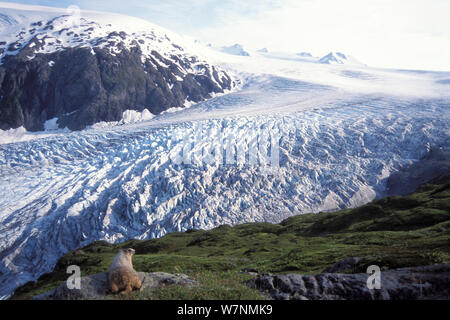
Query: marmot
121, 275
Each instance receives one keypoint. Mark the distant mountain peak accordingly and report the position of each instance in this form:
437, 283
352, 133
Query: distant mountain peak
304, 54
338, 58
236, 49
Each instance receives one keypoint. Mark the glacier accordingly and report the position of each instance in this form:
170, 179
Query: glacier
63, 192
342, 131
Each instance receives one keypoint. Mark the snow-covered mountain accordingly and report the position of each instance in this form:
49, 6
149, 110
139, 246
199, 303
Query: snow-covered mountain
82, 68
304, 54
339, 133
236, 49
263, 50
339, 58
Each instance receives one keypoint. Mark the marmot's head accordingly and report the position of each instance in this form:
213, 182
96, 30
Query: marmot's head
128, 251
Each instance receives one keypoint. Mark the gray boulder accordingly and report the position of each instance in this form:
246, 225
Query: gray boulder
343, 265
95, 287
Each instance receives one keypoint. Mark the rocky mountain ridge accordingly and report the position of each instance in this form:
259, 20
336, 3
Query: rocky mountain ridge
93, 72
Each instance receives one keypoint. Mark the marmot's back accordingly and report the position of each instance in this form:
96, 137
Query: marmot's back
123, 280
121, 276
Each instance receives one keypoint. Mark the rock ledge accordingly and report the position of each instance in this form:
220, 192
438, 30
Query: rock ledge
95, 287
417, 283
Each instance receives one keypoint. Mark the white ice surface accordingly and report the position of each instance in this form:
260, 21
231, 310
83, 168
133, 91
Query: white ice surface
51, 124
343, 130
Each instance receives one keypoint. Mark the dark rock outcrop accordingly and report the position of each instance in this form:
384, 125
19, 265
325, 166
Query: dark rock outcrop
343, 265
95, 287
434, 165
431, 282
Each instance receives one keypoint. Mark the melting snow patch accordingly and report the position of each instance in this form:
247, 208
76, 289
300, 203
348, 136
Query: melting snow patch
51, 124
128, 116
132, 116
188, 103
11, 135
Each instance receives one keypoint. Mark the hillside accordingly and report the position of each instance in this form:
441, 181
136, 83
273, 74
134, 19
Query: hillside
397, 231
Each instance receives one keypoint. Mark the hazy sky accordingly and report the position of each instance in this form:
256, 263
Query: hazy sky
386, 33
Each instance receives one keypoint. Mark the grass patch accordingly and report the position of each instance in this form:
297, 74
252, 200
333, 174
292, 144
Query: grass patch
211, 286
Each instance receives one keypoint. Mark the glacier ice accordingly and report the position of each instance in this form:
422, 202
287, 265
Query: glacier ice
59, 193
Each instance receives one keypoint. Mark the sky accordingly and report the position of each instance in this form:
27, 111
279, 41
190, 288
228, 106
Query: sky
410, 34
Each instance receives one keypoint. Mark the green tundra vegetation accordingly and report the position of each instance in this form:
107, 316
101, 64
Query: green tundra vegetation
397, 231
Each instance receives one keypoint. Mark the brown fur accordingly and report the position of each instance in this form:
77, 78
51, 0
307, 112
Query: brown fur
121, 275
